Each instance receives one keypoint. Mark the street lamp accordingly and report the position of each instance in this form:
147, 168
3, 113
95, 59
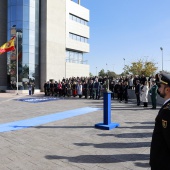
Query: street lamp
162, 56
17, 60
96, 71
106, 68
124, 62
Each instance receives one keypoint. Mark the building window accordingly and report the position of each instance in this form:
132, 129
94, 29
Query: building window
78, 38
75, 57
77, 19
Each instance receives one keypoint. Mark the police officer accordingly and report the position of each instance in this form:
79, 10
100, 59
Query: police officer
160, 145
153, 93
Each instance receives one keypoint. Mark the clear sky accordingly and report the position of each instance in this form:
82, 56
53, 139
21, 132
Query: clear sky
130, 30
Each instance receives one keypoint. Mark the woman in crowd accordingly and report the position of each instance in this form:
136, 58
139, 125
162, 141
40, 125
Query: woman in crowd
144, 96
79, 89
74, 89
60, 88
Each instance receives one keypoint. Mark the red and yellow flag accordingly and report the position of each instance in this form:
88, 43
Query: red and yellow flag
8, 46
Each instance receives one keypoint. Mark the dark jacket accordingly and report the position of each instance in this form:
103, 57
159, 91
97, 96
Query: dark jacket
153, 90
160, 145
137, 89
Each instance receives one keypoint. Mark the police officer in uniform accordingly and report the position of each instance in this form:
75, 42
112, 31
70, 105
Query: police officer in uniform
160, 145
153, 94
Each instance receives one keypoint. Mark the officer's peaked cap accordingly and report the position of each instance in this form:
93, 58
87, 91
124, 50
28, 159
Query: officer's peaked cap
164, 78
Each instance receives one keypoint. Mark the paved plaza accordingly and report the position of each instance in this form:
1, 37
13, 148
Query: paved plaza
60, 135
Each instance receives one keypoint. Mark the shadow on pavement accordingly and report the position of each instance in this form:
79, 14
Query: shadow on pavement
116, 145
138, 127
105, 158
129, 135
141, 122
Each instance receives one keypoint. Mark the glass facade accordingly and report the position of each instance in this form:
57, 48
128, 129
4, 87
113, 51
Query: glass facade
78, 19
78, 37
75, 57
23, 19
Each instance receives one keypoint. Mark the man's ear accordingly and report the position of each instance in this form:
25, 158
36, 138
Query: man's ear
168, 89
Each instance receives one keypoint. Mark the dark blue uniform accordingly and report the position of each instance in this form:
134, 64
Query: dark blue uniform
160, 145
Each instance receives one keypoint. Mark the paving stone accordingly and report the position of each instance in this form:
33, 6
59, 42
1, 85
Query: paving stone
74, 143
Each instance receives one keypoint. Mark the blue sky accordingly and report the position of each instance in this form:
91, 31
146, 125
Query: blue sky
129, 29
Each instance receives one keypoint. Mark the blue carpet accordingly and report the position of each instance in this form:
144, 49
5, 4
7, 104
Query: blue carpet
17, 125
38, 100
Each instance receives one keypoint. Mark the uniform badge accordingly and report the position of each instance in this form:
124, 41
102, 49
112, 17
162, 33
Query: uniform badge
164, 123
167, 106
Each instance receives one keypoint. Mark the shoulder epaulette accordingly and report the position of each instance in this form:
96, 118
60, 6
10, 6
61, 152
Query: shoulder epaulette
167, 106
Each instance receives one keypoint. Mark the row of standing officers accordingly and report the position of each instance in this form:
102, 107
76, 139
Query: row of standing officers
89, 89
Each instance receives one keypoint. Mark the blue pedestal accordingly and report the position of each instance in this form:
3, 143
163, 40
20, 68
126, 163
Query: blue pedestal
107, 125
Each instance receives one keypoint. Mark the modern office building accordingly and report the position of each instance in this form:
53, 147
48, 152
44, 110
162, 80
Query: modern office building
52, 38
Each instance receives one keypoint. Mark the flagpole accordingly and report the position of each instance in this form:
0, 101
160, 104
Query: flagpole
17, 61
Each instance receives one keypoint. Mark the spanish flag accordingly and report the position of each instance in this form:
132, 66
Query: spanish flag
8, 46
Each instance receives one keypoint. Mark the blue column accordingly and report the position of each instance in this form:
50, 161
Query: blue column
107, 125
107, 108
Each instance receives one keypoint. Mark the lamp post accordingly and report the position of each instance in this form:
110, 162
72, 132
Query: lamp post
162, 56
17, 60
106, 67
96, 71
124, 63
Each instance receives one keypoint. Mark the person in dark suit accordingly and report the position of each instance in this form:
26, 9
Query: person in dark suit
33, 88
85, 89
125, 91
96, 89
137, 92
45, 88
91, 85
153, 93
111, 87
160, 144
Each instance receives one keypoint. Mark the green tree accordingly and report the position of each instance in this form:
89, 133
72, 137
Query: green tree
141, 67
112, 74
102, 73
90, 74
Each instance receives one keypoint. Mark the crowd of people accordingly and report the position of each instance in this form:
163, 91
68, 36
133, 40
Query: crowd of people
93, 87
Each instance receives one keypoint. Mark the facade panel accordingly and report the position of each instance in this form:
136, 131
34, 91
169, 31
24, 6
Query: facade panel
53, 34
77, 70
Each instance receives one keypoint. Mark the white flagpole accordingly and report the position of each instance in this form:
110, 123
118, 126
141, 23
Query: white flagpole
17, 61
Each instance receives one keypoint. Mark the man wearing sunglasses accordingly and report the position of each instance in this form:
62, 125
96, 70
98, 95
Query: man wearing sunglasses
160, 145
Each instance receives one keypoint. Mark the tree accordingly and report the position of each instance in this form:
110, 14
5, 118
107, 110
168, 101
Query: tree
112, 74
90, 74
102, 73
141, 67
